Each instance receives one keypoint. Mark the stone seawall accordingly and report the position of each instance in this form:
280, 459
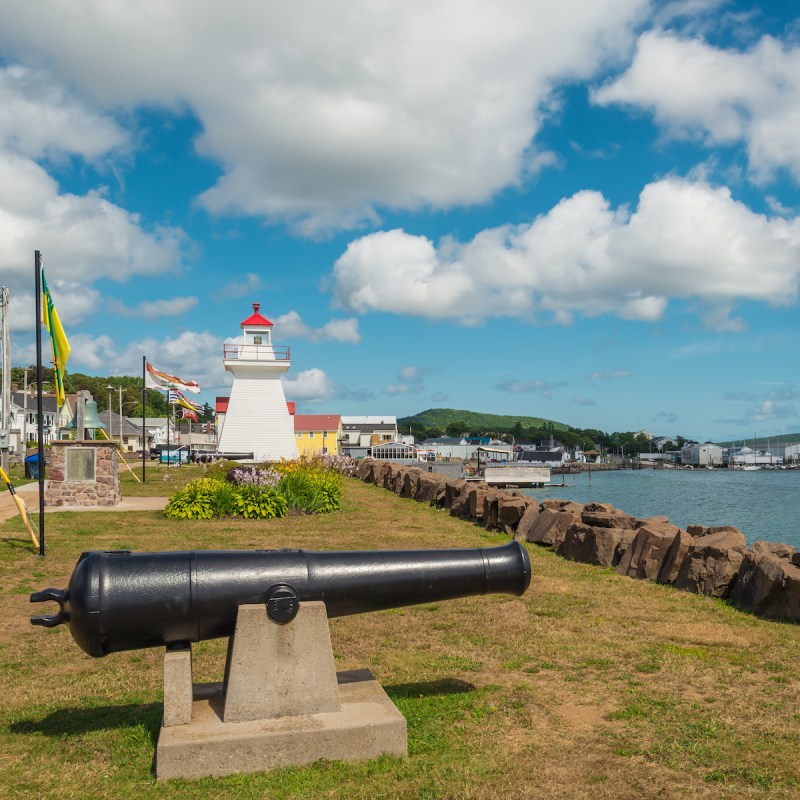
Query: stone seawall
713, 561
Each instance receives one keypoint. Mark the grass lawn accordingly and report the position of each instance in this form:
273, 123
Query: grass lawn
589, 686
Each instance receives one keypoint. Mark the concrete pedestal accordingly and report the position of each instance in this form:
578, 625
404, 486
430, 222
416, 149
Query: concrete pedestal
289, 705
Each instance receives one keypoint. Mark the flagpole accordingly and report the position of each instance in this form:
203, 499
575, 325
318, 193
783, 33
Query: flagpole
39, 411
168, 427
144, 431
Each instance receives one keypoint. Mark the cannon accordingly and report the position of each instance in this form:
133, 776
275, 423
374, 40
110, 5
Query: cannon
120, 600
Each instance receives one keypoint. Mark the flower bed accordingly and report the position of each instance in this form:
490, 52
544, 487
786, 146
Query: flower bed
264, 491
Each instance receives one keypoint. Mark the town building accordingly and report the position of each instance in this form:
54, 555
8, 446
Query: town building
359, 433
695, 454
256, 420
24, 419
317, 433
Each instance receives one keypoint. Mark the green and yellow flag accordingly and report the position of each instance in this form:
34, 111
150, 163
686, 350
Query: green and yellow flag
58, 341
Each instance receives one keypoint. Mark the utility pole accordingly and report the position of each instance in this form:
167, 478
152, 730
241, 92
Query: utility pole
24, 429
5, 417
120, 418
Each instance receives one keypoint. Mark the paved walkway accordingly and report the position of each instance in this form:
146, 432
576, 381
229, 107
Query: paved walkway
30, 495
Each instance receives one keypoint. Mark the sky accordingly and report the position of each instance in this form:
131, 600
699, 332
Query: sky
585, 211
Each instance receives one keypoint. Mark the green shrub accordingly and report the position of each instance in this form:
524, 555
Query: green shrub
194, 501
223, 500
256, 502
313, 491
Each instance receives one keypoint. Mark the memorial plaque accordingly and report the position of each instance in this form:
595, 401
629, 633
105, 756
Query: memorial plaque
80, 464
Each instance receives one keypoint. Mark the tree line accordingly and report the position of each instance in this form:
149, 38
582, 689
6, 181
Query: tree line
627, 443
155, 400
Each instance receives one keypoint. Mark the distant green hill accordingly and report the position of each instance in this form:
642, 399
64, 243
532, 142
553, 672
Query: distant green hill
474, 420
762, 441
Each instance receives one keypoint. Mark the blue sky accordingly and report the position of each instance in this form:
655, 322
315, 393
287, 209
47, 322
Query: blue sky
582, 211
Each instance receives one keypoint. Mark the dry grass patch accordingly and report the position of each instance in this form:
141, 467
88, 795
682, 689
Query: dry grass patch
592, 685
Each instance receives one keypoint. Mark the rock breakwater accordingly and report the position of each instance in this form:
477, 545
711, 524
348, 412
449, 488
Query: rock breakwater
713, 561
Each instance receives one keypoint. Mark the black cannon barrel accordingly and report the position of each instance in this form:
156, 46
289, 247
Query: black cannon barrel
119, 600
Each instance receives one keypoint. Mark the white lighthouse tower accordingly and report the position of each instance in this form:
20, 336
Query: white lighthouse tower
257, 420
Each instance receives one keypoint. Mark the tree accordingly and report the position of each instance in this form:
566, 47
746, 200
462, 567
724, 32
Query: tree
457, 428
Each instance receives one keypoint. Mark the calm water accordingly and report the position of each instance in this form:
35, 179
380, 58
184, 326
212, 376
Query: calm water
763, 505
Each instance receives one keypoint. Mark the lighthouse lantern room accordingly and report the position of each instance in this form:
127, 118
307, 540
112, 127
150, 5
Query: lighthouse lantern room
257, 420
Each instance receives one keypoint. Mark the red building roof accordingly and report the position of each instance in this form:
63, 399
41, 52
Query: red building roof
256, 319
316, 422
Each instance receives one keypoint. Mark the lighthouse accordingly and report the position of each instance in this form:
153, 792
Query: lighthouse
257, 420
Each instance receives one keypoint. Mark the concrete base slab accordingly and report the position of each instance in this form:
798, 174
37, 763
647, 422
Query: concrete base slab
367, 726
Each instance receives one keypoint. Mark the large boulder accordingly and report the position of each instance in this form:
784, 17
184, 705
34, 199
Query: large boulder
510, 511
640, 523
452, 490
768, 583
712, 563
460, 500
550, 526
527, 521
647, 550
674, 557
383, 474
405, 481
491, 508
608, 519
605, 507
476, 494
431, 488
626, 540
365, 470
591, 545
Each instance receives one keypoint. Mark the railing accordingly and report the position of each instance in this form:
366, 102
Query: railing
256, 352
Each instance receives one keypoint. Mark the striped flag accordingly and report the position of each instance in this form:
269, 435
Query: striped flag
155, 379
58, 341
180, 399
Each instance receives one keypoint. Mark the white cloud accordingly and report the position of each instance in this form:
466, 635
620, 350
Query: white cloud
291, 325
311, 385
411, 379
583, 401
425, 103
95, 353
721, 96
686, 239
192, 355
250, 283
610, 374
396, 388
528, 387
81, 237
153, 309
38, 117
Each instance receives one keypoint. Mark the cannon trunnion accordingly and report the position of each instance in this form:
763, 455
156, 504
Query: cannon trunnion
121, 600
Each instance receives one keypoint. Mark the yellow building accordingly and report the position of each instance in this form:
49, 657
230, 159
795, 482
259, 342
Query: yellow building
317, 433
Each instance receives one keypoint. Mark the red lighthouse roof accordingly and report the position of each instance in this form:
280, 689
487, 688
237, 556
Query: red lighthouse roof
255, 318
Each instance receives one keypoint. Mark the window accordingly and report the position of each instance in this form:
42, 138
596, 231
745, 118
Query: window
324, 434
256, 340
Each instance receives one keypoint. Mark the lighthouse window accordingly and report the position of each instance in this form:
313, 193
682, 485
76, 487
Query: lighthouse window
257, 340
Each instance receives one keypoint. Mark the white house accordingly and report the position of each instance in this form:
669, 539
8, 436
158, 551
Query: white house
24, 425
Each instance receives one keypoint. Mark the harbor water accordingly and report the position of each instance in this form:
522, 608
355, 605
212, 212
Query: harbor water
763, 505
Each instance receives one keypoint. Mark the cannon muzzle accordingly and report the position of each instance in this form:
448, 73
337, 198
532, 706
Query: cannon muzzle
121, 600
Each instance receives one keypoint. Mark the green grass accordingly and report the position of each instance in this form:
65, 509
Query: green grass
591, 685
